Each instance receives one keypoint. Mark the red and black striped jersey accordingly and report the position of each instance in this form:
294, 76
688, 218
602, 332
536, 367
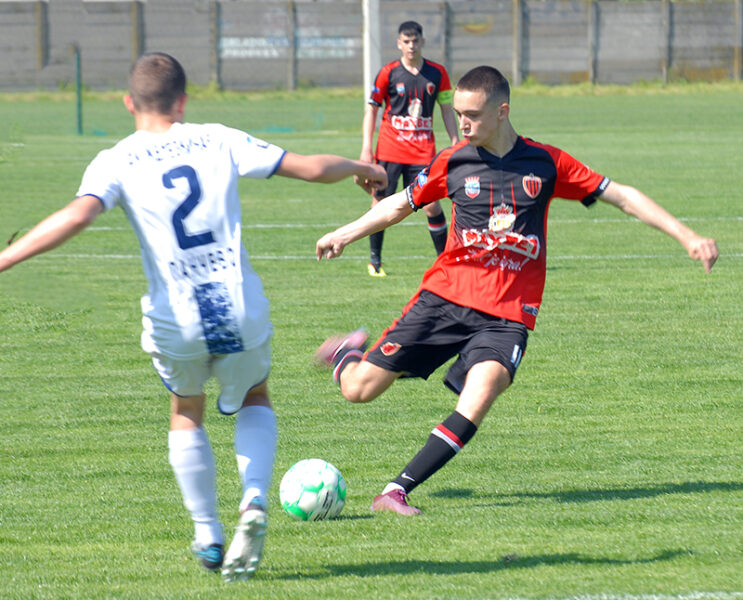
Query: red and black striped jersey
406, 131
495, 256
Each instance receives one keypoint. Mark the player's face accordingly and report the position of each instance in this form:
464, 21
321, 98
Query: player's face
479, 120
410, 46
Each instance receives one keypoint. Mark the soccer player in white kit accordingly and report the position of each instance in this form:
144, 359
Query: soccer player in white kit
204, 314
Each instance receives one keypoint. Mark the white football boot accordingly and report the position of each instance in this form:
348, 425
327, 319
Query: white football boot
246, 549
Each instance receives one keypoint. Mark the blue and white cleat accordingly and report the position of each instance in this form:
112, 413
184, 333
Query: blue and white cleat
211, 556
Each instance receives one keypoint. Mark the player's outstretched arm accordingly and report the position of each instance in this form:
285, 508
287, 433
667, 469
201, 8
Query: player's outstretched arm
389, 211
53, 231
633, 202
329, 168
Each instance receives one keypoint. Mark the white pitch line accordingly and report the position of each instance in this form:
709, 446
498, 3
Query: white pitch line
328, 226
684, 596
309, 256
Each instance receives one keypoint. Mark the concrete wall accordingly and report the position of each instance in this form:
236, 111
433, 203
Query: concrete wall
281, 44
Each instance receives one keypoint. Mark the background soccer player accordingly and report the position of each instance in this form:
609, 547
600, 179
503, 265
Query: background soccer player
408, 88
483, 293
205, 313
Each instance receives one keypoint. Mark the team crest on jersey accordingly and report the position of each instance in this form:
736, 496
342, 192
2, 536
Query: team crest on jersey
472, 186
389, 348
502, 219
400, 87
430, 88
532, 185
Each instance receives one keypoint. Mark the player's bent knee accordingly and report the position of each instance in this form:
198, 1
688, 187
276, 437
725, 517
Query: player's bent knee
257, 396
355, 392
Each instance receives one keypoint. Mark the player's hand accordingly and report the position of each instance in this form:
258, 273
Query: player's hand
375, 180
704, 250
378, 178
363, 183
329, 246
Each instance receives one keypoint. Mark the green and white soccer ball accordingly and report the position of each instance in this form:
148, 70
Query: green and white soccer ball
312, 490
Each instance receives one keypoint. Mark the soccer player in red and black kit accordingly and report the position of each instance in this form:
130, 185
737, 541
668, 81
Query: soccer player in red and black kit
410, 88
483, 293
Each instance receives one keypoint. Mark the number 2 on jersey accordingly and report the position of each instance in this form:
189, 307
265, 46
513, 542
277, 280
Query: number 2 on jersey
186, 241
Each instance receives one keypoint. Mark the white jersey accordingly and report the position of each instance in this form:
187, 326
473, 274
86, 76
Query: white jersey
179, 192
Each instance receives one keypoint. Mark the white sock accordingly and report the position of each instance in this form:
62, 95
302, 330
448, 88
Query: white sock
255, 447
392, 486
193, 463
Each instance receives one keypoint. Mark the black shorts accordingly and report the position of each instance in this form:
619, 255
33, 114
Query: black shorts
394, 170
433, 330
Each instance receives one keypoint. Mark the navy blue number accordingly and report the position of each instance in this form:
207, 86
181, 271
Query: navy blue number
186, 241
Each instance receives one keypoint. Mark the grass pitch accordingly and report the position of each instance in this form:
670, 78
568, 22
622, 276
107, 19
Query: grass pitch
611, 469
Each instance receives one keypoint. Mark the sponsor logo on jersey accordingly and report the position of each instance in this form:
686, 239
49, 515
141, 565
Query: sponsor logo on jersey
490, 240
389, 348
422, 177
375, 89
430, 88
532, 185
502, 219
403, 123
400, 88
532, 310
472, 186
257, 141
415, 108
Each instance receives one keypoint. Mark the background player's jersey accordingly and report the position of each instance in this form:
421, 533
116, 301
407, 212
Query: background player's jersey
406, 130
179, 192
495, 257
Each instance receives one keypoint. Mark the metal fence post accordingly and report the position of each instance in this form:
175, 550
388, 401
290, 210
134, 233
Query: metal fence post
215, 39
738, 49
593, 33
665, 59
446, 35
291, 34
518, 41
137, 18
41, 14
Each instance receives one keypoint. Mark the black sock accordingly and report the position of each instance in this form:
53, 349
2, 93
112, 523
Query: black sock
346, 356
437, 229
375, 248
352, 356
443, 444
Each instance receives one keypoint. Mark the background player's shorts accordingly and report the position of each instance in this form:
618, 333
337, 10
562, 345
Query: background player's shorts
433, 330
394, 170
236, 373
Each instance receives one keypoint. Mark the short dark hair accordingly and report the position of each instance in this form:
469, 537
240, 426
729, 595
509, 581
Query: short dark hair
488, 80
410, 28
156, 81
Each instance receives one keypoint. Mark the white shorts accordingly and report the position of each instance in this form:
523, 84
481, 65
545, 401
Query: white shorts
236, 373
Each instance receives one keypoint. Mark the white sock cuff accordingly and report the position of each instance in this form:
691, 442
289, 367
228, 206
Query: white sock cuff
187, 438
392, 486
257, 413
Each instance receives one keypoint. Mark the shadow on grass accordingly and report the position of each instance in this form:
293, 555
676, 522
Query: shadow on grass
407, 567
631, 493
